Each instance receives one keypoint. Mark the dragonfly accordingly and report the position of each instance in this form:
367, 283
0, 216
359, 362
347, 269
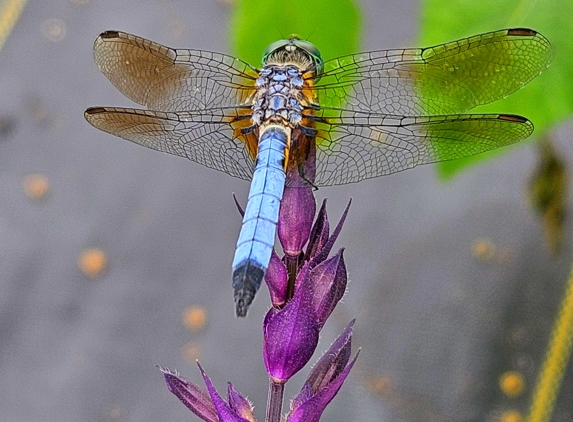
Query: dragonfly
354, 117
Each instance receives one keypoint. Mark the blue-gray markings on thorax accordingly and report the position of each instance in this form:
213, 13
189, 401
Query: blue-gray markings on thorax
278, 97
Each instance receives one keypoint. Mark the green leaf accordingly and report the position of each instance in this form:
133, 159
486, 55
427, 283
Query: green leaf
548, 99
332, 26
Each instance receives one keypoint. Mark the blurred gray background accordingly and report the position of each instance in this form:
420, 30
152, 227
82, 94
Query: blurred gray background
451, 283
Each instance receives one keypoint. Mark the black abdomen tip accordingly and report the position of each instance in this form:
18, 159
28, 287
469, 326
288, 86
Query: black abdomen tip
247, 279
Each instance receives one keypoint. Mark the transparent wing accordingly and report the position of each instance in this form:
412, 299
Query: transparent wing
208, 137
353, 146
166, 79
447, 78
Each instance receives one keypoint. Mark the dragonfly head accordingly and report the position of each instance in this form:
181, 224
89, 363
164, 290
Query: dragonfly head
294, 51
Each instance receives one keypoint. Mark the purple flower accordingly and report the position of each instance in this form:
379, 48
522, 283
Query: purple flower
321, 243
209, 405
225, 411
324, 381
327, 281
276, 278
305, 287
295, 219
194, 397
292, 326
240, 404
290, 336
319, 232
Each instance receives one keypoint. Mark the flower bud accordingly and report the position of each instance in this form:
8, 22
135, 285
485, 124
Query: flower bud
224, 410
277, 279
319, 232
324, 381
295, 218
328, 284
194, 397
290, 336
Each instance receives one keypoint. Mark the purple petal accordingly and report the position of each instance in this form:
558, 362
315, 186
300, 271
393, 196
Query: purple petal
240, 404
226, 414
333, 362
290, 337
295, 218
311, 409
276, 279
302, 277
328, 367
328, 283
323, 254
319, 232
195, 398
304, 394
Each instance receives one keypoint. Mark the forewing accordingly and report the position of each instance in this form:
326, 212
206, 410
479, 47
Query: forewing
207, 137
447, 78
355, 146
166, 79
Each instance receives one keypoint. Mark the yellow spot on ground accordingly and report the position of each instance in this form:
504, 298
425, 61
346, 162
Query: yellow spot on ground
194, 318
38, 111
54, 29
115, 414
512, 383
380, 385
92, 262
483, 248
79, 2
511, 416
36, 186
191, 352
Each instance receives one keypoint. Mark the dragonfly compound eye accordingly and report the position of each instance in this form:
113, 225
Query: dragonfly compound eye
285, 50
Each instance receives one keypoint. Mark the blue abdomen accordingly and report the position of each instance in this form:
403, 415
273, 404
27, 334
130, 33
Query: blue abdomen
257, 236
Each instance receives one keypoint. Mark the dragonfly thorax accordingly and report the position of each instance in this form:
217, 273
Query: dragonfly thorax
279, 97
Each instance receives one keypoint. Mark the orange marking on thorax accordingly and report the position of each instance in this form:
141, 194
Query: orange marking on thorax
251, 140
287, 152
